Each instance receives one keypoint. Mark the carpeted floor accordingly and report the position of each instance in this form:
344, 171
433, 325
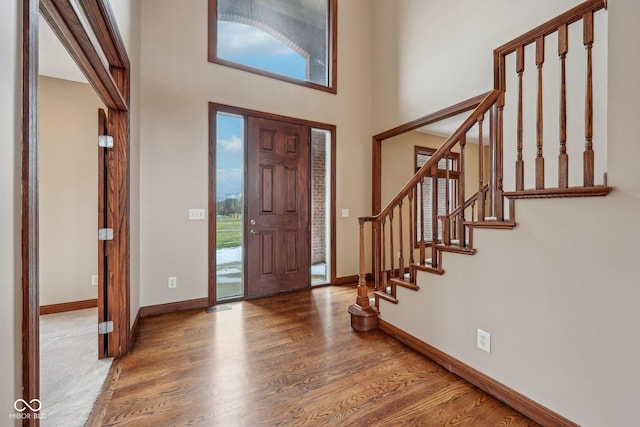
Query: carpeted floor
71, 376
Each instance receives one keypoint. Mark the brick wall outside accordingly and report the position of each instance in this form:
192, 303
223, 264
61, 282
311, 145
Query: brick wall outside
318, 197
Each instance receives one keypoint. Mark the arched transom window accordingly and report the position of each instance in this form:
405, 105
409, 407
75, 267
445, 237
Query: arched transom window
292, 40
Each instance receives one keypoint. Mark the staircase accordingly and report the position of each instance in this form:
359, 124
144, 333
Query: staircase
404, 244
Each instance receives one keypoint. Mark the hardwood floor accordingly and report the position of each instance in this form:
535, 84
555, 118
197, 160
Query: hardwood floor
287, 360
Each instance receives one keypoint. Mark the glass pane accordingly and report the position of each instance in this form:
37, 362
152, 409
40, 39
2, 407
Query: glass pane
279, 36
229, 206
320, 206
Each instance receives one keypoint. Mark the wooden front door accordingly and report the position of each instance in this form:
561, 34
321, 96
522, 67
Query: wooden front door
277, 220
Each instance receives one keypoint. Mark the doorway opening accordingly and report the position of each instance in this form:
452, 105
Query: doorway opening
271, 204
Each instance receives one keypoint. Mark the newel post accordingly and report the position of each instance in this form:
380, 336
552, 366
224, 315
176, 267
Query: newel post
363, 316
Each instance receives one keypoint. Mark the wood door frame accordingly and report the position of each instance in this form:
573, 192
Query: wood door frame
215, 108
112, 86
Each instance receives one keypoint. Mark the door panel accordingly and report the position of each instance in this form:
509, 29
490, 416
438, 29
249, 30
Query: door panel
278, 244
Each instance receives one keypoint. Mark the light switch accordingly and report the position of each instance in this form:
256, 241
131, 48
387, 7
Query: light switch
345, 213
196, 214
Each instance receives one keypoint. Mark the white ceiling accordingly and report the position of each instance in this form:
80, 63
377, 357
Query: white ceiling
54, 58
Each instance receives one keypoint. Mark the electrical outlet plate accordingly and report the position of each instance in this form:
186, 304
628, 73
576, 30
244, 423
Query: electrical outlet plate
94, 280
173, 282
483, 340
195, 214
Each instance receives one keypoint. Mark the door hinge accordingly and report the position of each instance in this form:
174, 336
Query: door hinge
105, 327
105, 234
105, 141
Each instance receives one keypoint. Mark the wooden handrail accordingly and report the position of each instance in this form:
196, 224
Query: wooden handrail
425, 170
551, 26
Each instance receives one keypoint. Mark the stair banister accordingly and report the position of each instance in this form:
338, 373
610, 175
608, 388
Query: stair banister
363, 315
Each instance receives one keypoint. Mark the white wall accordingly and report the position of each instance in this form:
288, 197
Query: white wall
68, 190
559, 293
10, 135
431, 54
177, 84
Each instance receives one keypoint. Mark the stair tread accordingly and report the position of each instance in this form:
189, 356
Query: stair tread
404, 283
385, 296
491, 224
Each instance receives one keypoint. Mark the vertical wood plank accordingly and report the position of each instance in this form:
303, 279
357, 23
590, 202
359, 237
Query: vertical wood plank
519, 160
563, 157
383, 262
446, 229
400, 243
363, 291
422, 251
391, 252
434, 215
497, 114
588, 113
461, 192
481, 194
539, 121
411, 234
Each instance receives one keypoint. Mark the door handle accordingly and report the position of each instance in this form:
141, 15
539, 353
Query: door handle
253, 232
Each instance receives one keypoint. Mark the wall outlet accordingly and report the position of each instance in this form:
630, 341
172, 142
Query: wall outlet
484, 341
173, 282
94, 280
196, 214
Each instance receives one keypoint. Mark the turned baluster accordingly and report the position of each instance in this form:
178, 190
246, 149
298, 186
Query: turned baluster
446, 227
563, 157
434, 214
422, 252
400, 243
539, 121
497, 111
363, 291
383, 262
461, 191
411, 234
519, 160
391, 256
481, 193
588, 114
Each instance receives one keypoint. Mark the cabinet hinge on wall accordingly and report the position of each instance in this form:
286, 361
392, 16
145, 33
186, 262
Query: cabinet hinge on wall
105, 327
105, 141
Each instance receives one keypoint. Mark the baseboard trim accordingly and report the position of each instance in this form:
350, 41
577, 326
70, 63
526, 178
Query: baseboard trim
68, 306
134, 331
350, 280
517, 401
346, 280
173, 307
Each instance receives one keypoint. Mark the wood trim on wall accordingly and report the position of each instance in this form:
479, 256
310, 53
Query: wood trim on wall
214, 108
376, 169
517, 401
173, 307
68, 306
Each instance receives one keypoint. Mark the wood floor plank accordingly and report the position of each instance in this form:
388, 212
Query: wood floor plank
288, 360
